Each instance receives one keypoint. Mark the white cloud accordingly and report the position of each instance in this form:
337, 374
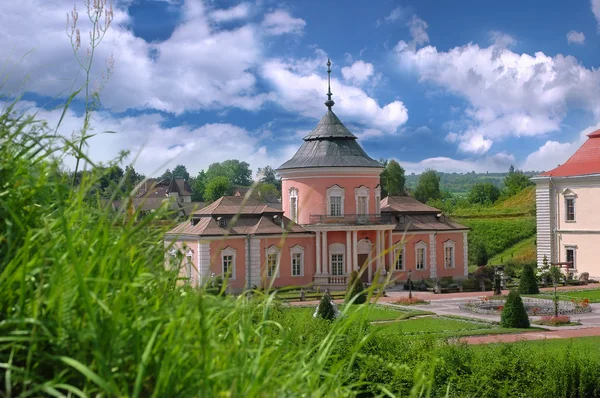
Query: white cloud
495, 163
553, 153
358, 73
186, 72
301, 84
510, 94
348, 58
596, 10
451, 137
396, 14
575, 37
240, 11
281, 22
418, 30
502, 40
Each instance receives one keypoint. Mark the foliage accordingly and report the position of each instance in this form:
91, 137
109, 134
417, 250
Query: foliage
392, 179
356, 289
217, 187
410, 301
484, 193
528, 281
497, 234
480, 255
514, 314
265, 192
325, 310
180, 171
269, 176
428, 187
198, 185
515, 181
559, 320
238, 173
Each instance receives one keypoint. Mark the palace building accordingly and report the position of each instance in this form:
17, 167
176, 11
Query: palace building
332, 221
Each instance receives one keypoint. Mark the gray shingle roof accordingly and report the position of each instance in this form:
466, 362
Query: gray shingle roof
330, 144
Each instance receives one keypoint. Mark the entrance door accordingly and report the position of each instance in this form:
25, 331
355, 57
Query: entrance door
362, 259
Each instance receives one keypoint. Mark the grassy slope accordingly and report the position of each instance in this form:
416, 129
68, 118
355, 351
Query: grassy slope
522, 252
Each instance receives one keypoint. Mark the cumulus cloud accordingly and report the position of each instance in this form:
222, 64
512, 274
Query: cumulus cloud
418, 30
554, 153
509, 94
301, 85
575, 37
494, 163
358, 73
596, 10
502, 40
240, 11
395, 15
281, 22
188, 71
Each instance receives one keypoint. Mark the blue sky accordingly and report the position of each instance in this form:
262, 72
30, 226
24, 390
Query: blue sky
454, 86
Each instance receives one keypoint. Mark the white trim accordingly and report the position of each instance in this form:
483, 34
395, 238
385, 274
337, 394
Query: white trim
399, 250
414, 233
466, 252
322, 172
297, 250
189, 262
433, 256
569, 195
293, 193
359, 192
337, 249
335, 191
273, 250
348, 252
451, 245
364, 246
421, 245
373, 227
574, 248
378, 199
578, 231
229, 251
175, 237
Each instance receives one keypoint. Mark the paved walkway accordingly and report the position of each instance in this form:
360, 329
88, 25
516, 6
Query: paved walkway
511, 338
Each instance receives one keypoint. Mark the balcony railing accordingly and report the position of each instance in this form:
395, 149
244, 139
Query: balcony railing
336, 280
351, 219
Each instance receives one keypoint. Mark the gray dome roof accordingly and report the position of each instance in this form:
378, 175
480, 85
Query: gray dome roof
330, 144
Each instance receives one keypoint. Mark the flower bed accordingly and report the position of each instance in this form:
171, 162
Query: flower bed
561, 320
533, 306
410, 301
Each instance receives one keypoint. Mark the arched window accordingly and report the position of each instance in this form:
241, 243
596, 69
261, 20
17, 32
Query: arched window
449, 254
421, 255
272, 256
228, 267
361, 195
297, 260
294, 204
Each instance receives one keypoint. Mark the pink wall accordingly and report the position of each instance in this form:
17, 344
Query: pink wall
285, 277
239, 245
459, 255
183, 247
312, 194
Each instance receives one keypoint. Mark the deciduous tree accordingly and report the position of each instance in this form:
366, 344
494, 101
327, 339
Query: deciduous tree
428, 186
217, 187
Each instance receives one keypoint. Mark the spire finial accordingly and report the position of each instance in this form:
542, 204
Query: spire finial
329, 103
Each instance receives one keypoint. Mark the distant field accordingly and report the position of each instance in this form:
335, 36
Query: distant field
520, 253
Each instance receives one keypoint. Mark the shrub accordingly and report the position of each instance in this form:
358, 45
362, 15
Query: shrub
356, 289
410, 301
528, 282
514, 314
325, 310
554, 320
480, 255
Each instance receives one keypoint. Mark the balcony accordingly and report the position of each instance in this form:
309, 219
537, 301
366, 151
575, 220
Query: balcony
350, 219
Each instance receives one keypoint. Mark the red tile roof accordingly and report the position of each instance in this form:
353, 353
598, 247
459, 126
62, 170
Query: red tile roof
231, 205
585, 161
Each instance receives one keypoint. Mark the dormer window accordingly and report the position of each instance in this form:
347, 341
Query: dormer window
222, 222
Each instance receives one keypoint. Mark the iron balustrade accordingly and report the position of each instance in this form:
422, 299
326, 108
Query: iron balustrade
351, 219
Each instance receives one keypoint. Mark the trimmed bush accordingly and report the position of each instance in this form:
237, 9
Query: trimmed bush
356, 288
325, 310
514, 314
528, 282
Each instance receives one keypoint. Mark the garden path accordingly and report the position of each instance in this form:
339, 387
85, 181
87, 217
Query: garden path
511, 338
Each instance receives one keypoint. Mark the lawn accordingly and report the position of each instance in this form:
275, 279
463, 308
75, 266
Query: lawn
372, 312
593, 295
583, 346
432, 324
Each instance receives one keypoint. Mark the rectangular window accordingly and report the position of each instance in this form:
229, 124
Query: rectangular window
570, 206
377, 205
362, 205
271, 264
227, 265
335, 206
448, 256
571, 257
296, 264
337, 264
399, 260
294, 208
421, 258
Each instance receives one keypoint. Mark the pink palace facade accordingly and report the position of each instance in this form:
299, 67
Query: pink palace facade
333, 221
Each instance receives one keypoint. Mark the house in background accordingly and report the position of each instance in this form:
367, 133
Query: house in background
568, 220
333, 221
154, 192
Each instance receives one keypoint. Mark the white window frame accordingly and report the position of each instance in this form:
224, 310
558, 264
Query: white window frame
336, 191
294, 251
337, 249
418, 246
449, 244
378, 200
574, 248
293, 194
228, 252
172, 258
189, 257
273, 251
359, 192
570, 195
399, 254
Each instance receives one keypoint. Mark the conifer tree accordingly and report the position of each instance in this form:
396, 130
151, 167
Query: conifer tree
528, 282
356, 288
513, 313
325, 309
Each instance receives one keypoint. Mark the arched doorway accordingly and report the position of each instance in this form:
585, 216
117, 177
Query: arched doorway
364, 249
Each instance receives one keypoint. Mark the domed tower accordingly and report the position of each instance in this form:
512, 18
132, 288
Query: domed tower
331, 186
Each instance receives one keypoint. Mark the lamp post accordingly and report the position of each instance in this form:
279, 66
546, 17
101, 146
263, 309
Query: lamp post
409, 285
